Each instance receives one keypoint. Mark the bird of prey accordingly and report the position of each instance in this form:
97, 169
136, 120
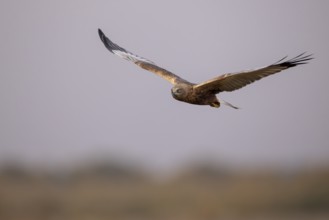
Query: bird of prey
205, 93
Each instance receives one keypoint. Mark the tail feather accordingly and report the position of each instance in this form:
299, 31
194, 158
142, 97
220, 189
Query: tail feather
229, 104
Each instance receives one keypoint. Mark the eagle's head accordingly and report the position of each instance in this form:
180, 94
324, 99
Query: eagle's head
179, 92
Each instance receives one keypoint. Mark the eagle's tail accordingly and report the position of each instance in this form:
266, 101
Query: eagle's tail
228, 104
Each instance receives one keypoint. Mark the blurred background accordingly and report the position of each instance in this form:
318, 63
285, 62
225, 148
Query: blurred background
86, 135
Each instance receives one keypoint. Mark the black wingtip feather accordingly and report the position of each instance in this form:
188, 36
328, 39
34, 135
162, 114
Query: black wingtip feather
298, 60
108, 43
101, 34
104, 39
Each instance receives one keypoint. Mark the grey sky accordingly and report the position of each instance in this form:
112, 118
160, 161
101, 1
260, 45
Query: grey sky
64, 96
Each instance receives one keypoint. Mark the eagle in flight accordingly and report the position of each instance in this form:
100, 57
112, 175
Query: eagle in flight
205, 93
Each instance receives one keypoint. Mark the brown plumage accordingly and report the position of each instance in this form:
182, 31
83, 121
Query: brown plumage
205, 93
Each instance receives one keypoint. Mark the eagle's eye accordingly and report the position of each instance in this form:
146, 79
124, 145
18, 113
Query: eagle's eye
179, 91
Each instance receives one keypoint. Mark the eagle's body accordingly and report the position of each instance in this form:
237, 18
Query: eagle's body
185, 92
204, 93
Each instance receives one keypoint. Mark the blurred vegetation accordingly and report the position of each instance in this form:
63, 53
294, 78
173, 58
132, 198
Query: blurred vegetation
110, 190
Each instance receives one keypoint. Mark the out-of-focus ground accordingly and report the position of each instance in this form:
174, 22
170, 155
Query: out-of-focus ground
114, 191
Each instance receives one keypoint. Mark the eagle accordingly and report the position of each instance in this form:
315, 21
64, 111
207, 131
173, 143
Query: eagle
204, 93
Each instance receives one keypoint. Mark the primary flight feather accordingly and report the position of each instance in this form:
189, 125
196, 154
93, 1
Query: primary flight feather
205, 92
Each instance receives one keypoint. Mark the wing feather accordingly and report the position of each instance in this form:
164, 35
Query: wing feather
233, 81
138, 60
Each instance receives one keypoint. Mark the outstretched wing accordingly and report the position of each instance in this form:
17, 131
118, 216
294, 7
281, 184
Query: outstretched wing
140, 61
230, 82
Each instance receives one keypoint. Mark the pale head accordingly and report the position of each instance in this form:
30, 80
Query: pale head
180, 92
